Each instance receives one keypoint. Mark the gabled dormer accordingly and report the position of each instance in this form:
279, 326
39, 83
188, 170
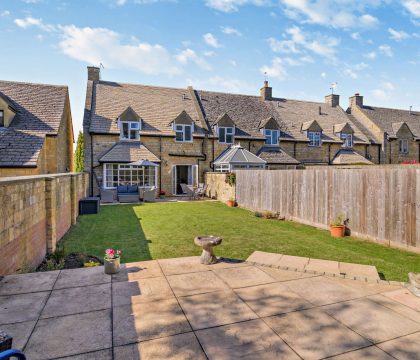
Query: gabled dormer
345, 132
271, 130
313, 132
7, 111
404, 134
225, 129
183, 125
130, 124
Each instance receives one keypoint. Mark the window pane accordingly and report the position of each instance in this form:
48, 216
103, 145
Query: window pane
179, 136
229, 139
125, 130
274, 137
134, 125
267, 137
222, 137
187, 130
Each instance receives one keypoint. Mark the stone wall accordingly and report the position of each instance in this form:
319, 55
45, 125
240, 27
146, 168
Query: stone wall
218, 188
36, 212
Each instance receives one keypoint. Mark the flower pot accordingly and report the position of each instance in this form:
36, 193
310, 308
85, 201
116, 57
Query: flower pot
337, 231
231, 203
111, 266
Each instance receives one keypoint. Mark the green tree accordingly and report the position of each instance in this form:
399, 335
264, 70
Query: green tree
79, 155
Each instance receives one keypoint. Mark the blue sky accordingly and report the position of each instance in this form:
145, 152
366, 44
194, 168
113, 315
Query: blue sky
371, 47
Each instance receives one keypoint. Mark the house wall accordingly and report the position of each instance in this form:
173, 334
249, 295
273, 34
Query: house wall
36, 212
8, 114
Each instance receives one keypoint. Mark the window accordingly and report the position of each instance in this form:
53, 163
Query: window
347, 140
314, 138
129, 130
271, 136
1, 118
226, 135
404, 146
222, 168
183, 133
122, 174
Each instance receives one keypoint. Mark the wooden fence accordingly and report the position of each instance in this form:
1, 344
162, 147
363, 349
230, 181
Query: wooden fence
382, 203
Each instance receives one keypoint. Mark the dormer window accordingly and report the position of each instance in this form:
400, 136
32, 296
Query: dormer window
271, 136
403, 146
129, 130
314, 138
1, 118
347, 140
225, 135
183, 133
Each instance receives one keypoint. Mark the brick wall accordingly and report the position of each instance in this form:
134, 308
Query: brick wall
218, 188
36, 212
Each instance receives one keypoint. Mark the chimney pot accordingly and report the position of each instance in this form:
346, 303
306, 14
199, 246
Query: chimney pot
356, 100
94, 73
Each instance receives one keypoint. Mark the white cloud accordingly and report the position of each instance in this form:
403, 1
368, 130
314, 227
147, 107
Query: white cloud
232, 62
234, 5
220, 83
371, 55
275, 70
323, 75
398, 35
283, 46
189, 55
336, 14
413, 6
350, 73
384, 91
209, 53
5, 13
211, 40
355, 36
101, 45
230, 31
33, 22
386, 50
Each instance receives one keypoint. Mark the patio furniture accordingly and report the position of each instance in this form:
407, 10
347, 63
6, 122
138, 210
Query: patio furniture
208, 242
12, 353
187, 190
149, 195
200, 191
107, 196
89, 205
128, 193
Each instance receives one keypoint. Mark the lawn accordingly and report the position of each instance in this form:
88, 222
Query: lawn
166, 230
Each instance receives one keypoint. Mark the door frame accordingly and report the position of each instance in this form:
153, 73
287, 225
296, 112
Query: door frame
194, 176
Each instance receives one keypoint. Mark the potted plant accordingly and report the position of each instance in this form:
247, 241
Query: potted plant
112, 261
231, 202
162, 194
337, 227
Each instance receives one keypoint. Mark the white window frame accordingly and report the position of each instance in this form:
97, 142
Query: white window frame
314, 138
228, 131
269, 133
125, 167
347, 140
183, 127
132, 125
404, 147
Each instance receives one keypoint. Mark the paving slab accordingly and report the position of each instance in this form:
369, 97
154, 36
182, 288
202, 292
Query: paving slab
78, 300
367, 271
247, 340
70, 335
214, 309
178, 347
143, 290
138, 270
313, 334
293, 262
405, 297
272, 299
145, 321
373, 321
403, 348
96, 355
82, 277
196, 283
21, 307
264, 258
244, 276
27, 283
368, 353
396, 306
20, 332
285, 275
322, 266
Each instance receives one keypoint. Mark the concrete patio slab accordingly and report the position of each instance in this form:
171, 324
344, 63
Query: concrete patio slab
143, 290
368, 353
214, 309
22, 307
196, 283
360, 270
95, 355
375, 322
285, 275
138, 270
243, 276
404, 296
315, 335
272, 299
247, 340
293, 262
178, 347
77, 300
20, 332
82, 277
404, 348
70, 335
323, 266
401, 309
27, 283
261, 257
145, 321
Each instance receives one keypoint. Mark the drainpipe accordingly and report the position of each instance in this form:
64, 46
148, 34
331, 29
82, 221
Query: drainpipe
329, 154
202, 153
379, 154
91, 164
294, 150
390, 152
161, 163
212, 163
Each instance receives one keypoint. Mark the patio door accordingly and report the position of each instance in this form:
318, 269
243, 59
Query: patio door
183, 174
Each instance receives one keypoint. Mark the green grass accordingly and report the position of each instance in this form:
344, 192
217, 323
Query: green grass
166, 230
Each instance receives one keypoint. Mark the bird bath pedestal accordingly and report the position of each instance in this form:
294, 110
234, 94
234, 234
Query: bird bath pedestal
207, 242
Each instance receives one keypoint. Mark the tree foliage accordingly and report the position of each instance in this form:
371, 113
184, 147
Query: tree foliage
79, 156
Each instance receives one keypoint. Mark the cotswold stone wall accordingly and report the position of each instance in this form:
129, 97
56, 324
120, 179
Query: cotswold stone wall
35, 212
218, 188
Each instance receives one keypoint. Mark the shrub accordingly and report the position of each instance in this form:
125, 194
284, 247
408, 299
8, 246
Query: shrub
338, 221
91, 263
258, 214
269, 215
231, 179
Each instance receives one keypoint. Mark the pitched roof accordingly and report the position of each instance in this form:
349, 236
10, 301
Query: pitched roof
236, 154
157, 107
349, 157
384, 118
128, 151
276, 155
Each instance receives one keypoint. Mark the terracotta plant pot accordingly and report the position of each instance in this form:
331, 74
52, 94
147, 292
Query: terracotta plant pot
337, 231
111, 266
231, 203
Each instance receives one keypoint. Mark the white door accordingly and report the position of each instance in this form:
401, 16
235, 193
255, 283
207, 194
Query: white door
173, 179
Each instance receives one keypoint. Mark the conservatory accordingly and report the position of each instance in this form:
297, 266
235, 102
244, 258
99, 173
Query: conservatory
235, 158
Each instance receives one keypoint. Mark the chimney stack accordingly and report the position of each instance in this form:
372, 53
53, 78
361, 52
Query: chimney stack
266, 91
332, 100
94, 73
356, 100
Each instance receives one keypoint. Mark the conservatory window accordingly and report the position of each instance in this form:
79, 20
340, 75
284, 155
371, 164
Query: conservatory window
123, 174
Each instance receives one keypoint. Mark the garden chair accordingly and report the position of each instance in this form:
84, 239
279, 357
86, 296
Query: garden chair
12, 353
200, 191
149, 195
186, 190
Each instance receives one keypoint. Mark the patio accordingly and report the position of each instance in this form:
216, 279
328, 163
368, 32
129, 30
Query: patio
179, 309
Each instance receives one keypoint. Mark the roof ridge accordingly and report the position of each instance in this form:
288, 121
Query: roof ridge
104, 82
387, 108
33, 84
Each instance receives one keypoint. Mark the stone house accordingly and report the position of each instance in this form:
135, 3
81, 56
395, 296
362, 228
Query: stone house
185, 131
395, 131
36, 132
